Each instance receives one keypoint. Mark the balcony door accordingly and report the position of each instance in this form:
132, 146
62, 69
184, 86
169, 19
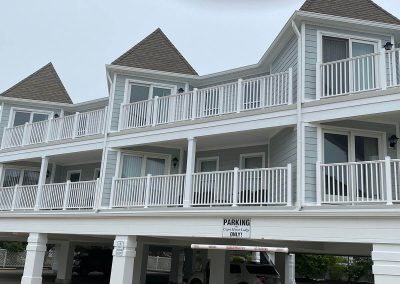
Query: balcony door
251, 182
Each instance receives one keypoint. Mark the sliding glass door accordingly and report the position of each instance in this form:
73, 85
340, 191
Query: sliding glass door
142, 165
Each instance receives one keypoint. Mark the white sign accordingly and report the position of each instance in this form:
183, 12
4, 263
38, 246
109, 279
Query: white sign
119, 248
236, 228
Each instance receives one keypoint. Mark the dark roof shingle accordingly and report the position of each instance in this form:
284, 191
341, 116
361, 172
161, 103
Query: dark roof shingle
357, 9
156, 52
43, 85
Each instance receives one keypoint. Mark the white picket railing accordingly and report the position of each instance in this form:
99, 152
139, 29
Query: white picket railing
67, 127
393, 67
68, 195
395, 172
270, 186
249, 94
356, 182
351, 75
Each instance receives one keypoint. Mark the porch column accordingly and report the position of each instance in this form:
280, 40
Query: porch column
35, 252
1, 172
285, 265
65, 258
123, 260
386, 267
42, 180
176, 273
140, 268
219, 266
190, 164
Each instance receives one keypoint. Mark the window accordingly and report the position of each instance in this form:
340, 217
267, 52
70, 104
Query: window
14, 176
136, 165
142, 92
209, 164
74, 176
22, 117
252, 161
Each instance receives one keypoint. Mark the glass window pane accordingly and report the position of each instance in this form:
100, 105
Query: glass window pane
362, 48
131, 166
21, 118
208, 166
39, 117
161, 92
30, 177
11, 177
155, 166
336, 148
366, 148
334, 49
75, 177
139, 93
253, 162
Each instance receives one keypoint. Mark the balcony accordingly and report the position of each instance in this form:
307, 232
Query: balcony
243, 95
369, 182
376, 71
253, 187
55, 129
57, 196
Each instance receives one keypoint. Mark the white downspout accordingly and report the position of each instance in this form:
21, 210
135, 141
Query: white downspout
299, 178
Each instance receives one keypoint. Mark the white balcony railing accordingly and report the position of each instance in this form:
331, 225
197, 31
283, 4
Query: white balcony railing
393, 67
358, 182
250, 94
60, 196
67, 127
270, 186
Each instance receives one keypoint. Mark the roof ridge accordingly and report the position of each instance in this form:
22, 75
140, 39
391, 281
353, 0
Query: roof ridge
60, 83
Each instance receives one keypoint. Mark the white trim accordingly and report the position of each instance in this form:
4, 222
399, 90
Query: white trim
74, 172
252, 155
207, 159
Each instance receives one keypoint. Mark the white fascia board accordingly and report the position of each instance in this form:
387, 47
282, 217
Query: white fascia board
53, 149
376, 102
214, 127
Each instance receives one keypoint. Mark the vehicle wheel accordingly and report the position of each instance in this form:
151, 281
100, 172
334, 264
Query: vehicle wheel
196, 281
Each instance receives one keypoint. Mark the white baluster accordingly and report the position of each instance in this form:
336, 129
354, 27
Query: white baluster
239, 95
235, 186
289, 185
388, 177
66, 194
75, 129
382, 69
318, 180
147, 192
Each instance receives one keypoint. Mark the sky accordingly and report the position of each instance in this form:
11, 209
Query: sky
81, 36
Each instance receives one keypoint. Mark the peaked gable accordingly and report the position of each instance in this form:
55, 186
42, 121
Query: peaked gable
357, 9
43, 85
156, 52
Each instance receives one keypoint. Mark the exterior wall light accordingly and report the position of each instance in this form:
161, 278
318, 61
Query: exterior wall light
175, 162
393, 141
180, 91
388, 45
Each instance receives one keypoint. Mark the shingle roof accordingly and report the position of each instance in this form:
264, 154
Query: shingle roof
43, 85
357, 9
156, 52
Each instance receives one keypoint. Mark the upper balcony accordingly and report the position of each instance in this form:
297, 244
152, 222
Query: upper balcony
242, 95
55, 129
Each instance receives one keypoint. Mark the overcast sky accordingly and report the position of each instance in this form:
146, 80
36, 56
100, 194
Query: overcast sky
81, 36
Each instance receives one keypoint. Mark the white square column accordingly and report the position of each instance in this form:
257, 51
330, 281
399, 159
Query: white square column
190, 167
219, 266
65, 258
176, 273
42, 180
140, 267
386, 267
285, 265
35, 252
123, 260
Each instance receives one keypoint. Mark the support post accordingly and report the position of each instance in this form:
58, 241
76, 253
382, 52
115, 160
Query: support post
289, 201
14, 199
318, 181
176, 273
65, 258
194, 104
388, 184
25, 135
382, 69
219, 266
35, 253
155, 111
318, 80
190, 164
66, 195
239, 95
147, 192
235, 186
42, 181
140, 268
75, 129
47, 139
285, 265
290, 86
123, 259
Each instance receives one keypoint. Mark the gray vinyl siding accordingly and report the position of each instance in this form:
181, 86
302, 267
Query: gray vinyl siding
108, 176
283, 151
310, 160
311, 53
120, 93
87, 171
230, 158
388, 129
286, 59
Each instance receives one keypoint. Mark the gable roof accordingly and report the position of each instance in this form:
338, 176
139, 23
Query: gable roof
156, 52
357, 9
43, 85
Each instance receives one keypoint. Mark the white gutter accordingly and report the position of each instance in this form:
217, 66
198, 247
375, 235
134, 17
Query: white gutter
299, 193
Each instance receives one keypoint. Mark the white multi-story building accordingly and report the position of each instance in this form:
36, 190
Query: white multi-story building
302, 144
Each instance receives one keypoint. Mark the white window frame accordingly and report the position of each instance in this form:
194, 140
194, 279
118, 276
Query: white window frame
144, 156
74, 172
14, 110
21, 176
207, 159
251, 155
96, 170
351, 134
351, 38
151, 85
